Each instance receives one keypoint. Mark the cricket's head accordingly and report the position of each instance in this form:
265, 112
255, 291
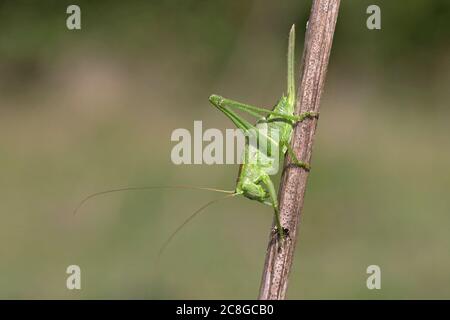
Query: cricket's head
215, 99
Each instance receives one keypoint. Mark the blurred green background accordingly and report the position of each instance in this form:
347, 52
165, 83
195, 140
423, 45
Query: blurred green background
83, 111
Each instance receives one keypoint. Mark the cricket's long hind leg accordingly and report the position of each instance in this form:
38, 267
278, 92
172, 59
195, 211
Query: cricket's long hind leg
224, 103
273, 196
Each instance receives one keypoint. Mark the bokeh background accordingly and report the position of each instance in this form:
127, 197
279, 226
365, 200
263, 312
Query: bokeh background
83, 111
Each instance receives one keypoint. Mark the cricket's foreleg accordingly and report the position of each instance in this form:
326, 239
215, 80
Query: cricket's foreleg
294, 158
273, 197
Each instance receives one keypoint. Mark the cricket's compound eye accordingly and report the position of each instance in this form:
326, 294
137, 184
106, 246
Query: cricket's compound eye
215, 99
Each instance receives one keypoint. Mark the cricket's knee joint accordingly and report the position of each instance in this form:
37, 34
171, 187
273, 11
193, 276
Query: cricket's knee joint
216, 100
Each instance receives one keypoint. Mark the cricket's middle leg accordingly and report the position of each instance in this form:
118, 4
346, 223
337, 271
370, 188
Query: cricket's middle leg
273, 197
294, 158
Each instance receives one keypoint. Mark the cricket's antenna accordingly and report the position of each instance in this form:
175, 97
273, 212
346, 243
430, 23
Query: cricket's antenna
291, 67
192, 216
94, 195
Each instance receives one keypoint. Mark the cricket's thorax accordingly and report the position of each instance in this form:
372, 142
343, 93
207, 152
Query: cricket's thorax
260, 162
284, 127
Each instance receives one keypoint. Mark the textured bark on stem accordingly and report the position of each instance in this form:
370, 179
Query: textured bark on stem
318, 41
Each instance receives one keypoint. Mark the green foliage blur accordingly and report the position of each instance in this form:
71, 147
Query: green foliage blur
93, 109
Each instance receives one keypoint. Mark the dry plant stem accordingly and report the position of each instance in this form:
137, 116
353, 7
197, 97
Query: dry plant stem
318, 41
